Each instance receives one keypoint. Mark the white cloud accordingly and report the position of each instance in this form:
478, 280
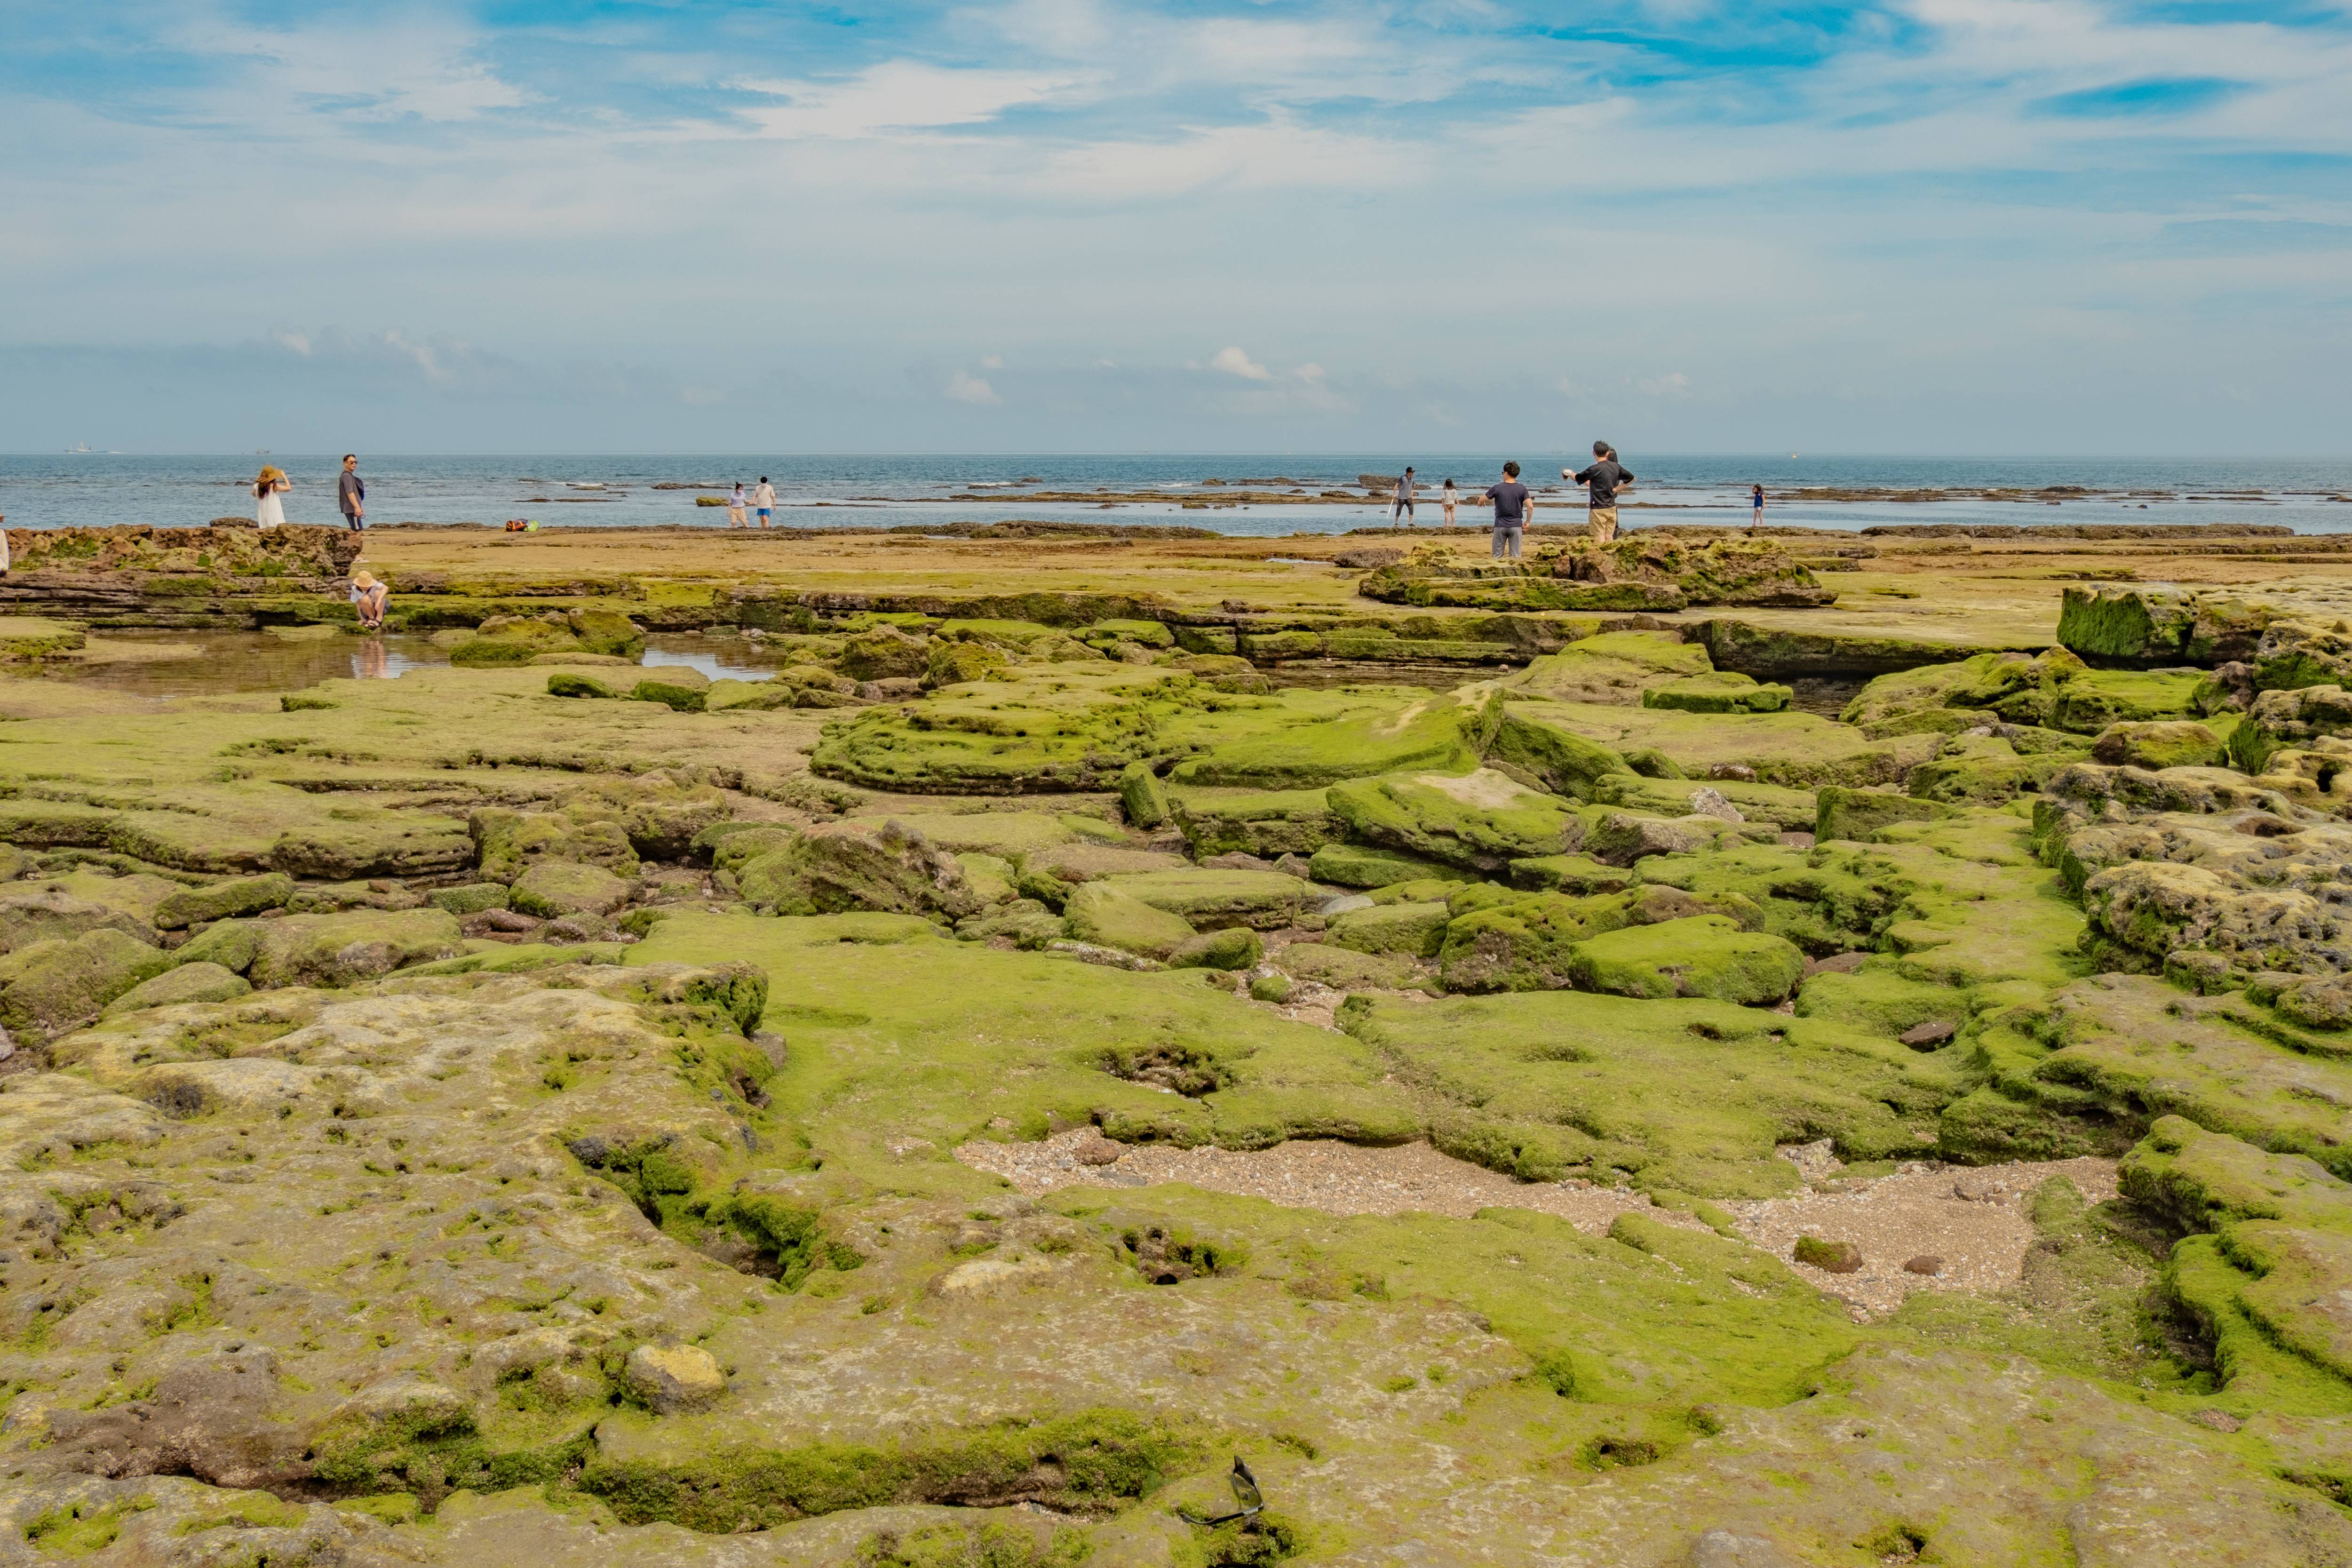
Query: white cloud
968, 388
1310, 373
1674, 383
900, 96
427, 69
993, 361
291, 342
1233, 361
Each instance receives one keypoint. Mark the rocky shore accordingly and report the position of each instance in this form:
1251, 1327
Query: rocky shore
1746, 1069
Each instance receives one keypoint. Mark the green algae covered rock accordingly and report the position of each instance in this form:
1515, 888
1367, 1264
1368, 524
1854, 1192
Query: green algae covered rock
232, 944
749, 696
1703, 955
47, 913
1416, 930
51, 985
881, 653
187, 982
1860, 815
1580, 875
1345, 968
1612, 667
30, 638
1235, 947
471, 899
952, 663
572, 683
1267, 822
1718, 691
1526, 944
2158, 744
1264, 899
338, 950
1364, 866
602, 630
1554, 755
2160, 626
884, 865
554, 889
1438, 733
514, 639
1024, 923
1107, 914
1483, 820
1141, 795
1878, 998
677, 686
225, 900
2092, 702
1791, 809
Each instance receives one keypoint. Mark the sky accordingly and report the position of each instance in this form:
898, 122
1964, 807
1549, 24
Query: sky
1068, 226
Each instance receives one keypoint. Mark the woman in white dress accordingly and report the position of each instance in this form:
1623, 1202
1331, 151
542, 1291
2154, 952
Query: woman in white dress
271, 484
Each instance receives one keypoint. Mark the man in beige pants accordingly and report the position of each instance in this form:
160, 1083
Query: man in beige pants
1604, 481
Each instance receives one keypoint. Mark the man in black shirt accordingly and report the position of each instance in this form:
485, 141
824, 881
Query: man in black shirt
1603, 479
1511, 510
351, 495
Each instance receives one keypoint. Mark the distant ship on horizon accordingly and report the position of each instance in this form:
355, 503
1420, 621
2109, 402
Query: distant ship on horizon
77, 449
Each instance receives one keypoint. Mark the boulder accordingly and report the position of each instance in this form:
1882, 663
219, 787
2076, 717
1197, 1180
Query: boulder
1718, 691
1362, 866
514, 639
606, 631
753, 697
1415, 930
1525, 945
1859, 814
838, 867
572, 683
50, 915
1705, 955
50, 985
882, 653
1142, 796
951, 663
554, 889
341, 949
1265, 900
1024, 923
1235, 947
188, 983
232, 944
1622, 837
1482, 819
225, 900
677, 686
1106, 914
471, 899
2159, 744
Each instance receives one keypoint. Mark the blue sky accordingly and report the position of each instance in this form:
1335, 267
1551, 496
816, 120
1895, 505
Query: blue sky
1928, 225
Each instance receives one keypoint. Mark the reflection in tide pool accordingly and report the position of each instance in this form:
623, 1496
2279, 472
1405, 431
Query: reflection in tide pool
202, 663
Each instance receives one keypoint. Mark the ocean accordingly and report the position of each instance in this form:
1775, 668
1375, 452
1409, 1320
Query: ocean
54, 490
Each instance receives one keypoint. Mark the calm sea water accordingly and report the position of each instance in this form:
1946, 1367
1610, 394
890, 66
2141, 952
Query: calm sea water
88, 488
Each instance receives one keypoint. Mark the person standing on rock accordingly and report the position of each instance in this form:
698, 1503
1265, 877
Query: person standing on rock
351, 495
764, 498
1602, 480
268, 511
1511, 510
1404, 491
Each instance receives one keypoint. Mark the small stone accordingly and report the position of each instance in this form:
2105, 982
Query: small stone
1927, 1263
1975, 1188
674, 1378
1927, 1036
1096, 1150
1237, 860
2219, 1420
1739, 773
1835, 963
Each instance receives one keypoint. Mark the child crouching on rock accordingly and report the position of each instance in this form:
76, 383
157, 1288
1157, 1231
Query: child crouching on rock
372, 599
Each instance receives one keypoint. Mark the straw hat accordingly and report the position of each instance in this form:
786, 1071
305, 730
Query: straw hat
362, 580
269, 472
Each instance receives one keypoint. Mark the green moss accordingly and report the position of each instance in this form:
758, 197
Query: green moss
1362, 866
1094, 1459
1413, 929
1703, 955
1105, 913
1721, 692
1266, 822
81, 1530
1480, 820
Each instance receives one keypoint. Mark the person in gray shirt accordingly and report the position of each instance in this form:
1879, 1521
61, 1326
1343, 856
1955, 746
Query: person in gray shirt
351, 495
1405, 491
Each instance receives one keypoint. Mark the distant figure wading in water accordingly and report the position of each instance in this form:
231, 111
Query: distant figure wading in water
1756, 501
1448, 496
272, 482
1512, 508
735, 506
1404, 490
764, 498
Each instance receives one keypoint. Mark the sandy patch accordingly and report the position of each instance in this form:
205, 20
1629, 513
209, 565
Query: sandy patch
1484, 788
1972, 1219
1308, 1173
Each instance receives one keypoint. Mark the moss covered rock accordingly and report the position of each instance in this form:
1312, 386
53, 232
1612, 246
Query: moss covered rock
1141, 795
1861, 815
1267, 822
881, 653
1107, 914
1718, 691
1416, 930
603, 630
1210, 899
2159, 744
554, 889
1365, 865
225, 900
1483, 820
187, 982
887, 867
33, 914
1235, 947
50, 985
677, 686
338, 950
1705, 955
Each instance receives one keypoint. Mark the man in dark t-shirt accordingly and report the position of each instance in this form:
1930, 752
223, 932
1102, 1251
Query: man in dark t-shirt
351, 494
1511, 508
1603, 479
